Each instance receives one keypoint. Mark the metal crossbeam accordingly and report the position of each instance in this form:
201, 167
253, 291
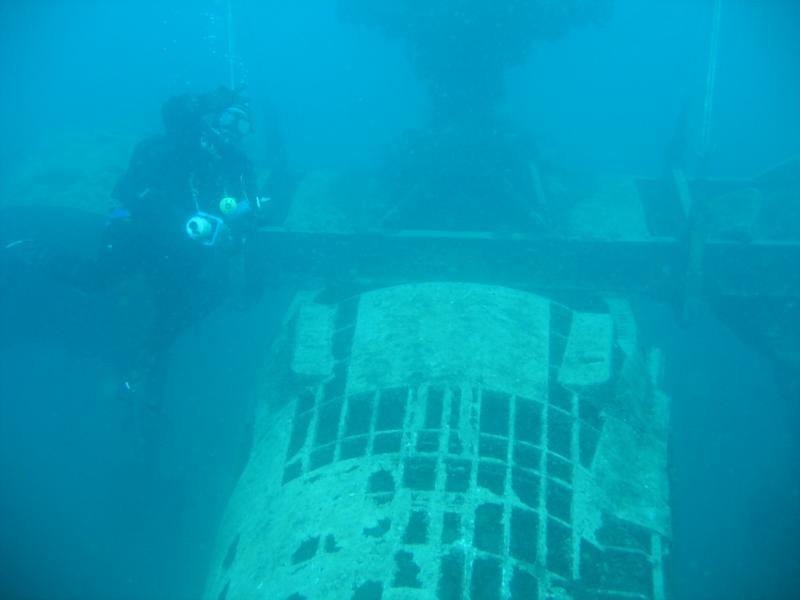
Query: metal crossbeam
655, 265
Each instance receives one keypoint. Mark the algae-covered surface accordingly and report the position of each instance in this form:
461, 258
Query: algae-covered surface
519, 319
448, 441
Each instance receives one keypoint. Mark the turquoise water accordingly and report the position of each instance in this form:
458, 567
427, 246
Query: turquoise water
92, 507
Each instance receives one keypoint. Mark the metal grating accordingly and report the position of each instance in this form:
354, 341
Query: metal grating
471, 492
507, 461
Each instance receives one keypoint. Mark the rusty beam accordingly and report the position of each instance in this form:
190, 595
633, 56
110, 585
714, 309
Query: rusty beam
656, 265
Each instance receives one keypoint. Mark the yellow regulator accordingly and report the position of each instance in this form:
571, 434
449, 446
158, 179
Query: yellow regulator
228, 205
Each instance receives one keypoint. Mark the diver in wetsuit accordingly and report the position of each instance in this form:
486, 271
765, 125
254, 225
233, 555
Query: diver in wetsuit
188, 201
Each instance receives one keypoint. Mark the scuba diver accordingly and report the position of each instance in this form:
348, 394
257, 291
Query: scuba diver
187, 203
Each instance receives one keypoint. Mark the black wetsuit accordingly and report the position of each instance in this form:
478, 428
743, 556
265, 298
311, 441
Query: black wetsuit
166, 183
164, 186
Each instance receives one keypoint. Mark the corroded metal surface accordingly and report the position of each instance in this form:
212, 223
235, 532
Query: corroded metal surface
625, 266
451, 440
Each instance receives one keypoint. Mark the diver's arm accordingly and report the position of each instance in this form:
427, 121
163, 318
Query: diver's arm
139, 189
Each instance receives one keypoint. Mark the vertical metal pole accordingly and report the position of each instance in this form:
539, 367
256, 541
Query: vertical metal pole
231, 58
711, 75
698, 209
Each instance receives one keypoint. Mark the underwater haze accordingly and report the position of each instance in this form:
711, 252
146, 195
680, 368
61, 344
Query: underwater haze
93, 508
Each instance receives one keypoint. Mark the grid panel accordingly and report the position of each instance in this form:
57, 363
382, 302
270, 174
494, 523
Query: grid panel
506, 461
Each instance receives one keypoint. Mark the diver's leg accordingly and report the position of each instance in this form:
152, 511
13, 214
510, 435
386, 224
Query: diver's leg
146, 377
183, 292
115, 260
